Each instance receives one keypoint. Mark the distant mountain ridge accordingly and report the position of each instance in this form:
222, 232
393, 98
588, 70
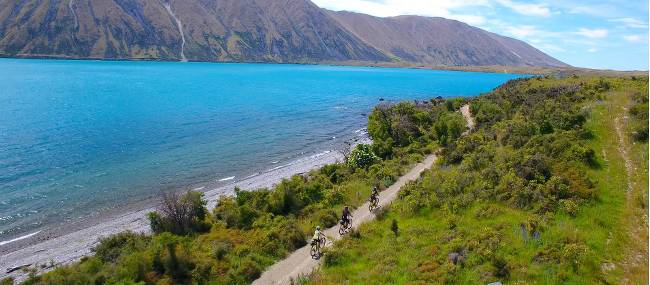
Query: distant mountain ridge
284, 31
440, 41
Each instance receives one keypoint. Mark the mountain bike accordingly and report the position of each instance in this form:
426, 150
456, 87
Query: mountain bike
345, 226
374, 203
317, 246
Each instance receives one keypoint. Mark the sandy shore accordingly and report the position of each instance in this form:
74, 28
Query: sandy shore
45, 251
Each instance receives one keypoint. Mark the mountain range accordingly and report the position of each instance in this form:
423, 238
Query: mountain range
283, 31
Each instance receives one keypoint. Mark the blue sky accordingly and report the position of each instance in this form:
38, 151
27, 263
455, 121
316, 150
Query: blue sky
611, 34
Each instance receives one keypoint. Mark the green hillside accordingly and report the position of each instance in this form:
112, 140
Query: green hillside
551, 188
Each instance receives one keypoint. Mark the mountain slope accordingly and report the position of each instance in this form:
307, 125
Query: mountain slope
440, 41
245, 30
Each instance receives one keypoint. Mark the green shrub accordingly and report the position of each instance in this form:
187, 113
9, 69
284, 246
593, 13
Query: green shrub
485, 111
111, 248
569, 206
394, 227
287, 233
335, 196
220, 248
574, 254
448, 127
362, 156
397, 125
332, 256
501, 267
487, 211
249, 269
355, 233
178, 267
327, 218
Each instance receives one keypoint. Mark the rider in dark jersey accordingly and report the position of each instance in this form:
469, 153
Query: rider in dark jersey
374, 194
346, 215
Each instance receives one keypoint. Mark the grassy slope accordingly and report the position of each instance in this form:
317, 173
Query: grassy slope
613, 226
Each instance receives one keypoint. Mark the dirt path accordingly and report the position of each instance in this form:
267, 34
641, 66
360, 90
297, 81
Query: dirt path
300, 263
468, 117
635, 257
623, 146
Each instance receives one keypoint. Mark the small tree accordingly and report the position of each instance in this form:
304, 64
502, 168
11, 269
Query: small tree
362, 156
449, 127
180, 214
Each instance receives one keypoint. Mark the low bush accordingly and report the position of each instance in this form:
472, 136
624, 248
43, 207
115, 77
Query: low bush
394, 227
112, 247
180, 214
220, 248
332, 257
362, 156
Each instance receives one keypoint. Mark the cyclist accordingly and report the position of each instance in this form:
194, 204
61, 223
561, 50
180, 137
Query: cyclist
317, 236
346, 215
316, 243
374, 195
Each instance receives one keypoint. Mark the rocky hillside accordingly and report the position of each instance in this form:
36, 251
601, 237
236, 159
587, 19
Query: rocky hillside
245, 30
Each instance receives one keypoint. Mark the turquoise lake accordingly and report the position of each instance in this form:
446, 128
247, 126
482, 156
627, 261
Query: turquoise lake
77, 137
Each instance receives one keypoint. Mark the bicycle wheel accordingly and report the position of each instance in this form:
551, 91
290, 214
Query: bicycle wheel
342, 229
322, 242
373, 205
314, 252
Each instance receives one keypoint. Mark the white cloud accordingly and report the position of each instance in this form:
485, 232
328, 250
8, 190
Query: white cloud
606, 9
388, 8
633, 38
527, 8
470, 19
592, 33
631, 23
522, 31
531, 33
546, 47
592, 50
594, 10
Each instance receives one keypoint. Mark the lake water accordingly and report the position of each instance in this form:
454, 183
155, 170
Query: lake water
77, 137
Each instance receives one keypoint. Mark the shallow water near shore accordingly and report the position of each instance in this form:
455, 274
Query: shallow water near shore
81, 137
